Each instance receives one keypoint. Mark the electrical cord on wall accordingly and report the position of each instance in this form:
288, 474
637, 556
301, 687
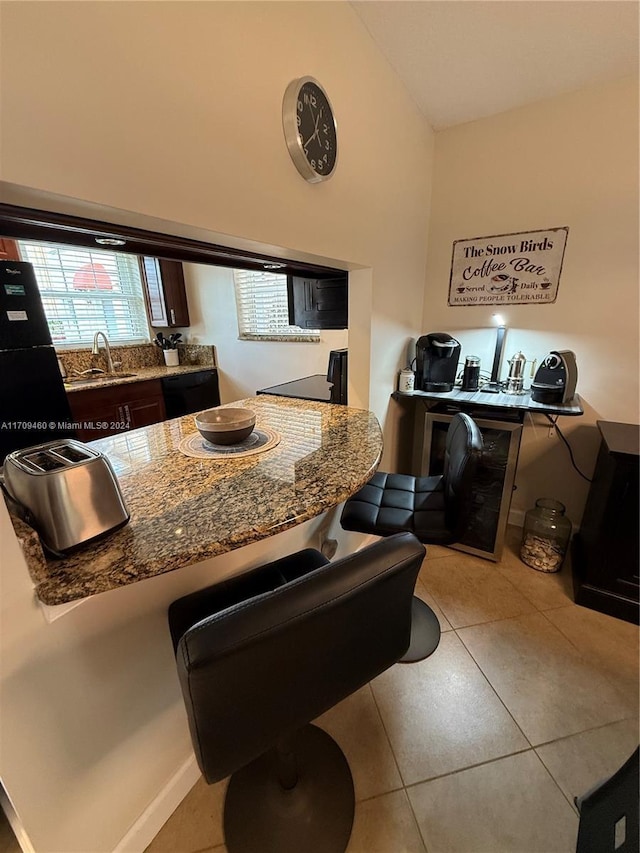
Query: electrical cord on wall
554, 424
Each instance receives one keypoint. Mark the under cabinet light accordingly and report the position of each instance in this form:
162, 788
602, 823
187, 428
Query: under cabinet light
110, 241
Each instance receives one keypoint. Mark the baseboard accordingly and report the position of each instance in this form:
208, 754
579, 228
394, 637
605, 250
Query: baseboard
369, 539
154, 817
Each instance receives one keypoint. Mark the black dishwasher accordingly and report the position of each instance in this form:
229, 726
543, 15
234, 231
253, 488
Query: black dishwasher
190, 392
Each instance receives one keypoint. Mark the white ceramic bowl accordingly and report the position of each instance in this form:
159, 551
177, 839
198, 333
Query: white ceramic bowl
225, 425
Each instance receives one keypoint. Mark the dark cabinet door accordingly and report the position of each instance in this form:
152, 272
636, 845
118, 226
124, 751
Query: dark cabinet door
165, 292
190, 392
606, 550
96, 418
116, 409
145, 412
318, 303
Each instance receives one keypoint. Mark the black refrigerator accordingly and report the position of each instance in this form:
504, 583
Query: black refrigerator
33, 402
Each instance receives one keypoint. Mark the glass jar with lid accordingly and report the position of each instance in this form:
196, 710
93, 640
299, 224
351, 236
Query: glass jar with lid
545, 536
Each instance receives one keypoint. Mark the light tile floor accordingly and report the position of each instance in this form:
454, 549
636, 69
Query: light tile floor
528, 701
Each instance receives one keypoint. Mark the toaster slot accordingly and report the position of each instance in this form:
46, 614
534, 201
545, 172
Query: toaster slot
71, 454
44, 461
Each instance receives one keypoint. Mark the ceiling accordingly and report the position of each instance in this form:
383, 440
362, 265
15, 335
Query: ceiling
463, 60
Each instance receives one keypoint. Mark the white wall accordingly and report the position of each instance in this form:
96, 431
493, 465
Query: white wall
189, 129
246, 366
173, 110
571, 160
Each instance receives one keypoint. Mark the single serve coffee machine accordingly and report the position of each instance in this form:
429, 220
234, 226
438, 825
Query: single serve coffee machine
437, 356
556, 378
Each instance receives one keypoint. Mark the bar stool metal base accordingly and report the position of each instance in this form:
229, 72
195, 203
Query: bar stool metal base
315, 815
425, 632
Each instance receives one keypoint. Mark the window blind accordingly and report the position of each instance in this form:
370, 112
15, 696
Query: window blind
86, 290
263, 312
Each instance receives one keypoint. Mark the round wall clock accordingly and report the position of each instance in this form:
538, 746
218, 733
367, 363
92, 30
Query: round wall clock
310, 129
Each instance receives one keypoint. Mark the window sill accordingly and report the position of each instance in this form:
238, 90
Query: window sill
296, 339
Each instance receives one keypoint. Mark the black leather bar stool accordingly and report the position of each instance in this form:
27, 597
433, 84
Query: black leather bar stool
435, 509
260, 656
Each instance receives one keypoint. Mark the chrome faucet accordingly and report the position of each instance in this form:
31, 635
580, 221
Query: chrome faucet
96, 350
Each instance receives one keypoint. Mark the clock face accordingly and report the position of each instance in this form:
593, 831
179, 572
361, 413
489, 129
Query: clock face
310, 129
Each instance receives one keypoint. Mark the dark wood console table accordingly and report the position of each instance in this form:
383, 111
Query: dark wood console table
605, 550
500, 418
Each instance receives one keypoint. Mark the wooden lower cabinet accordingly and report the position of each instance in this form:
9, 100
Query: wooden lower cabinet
117, 409
606, 550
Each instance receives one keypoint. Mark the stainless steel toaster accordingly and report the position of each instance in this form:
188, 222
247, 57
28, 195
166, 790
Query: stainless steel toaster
69, 490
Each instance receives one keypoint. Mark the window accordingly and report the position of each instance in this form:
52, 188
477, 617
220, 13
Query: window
84, 290
263, 312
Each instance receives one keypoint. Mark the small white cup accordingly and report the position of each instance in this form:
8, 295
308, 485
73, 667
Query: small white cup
171, 357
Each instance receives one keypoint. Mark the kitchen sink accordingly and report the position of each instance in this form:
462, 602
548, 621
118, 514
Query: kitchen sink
96, 378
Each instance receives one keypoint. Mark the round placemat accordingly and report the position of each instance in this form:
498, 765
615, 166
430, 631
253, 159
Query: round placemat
260, 440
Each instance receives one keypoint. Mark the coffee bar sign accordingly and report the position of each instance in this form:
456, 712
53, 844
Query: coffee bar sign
507, 268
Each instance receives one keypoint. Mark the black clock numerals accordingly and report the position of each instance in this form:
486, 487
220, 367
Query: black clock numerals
310, 129
316, 129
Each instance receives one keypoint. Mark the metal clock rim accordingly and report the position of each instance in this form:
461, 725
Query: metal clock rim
290, 128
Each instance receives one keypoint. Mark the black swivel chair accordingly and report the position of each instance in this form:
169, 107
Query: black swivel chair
260, 656
435, 509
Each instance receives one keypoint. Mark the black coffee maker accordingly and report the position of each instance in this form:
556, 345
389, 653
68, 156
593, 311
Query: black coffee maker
437, 356
556, 378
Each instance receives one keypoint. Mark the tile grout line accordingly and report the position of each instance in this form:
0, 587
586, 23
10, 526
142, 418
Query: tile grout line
586, 731
503, 577
533, 747
386, 733
486, 678
581, 655
530, 599
460, 770
415, 819
567, 737
469, 767
555, 781
404, 787
605, 674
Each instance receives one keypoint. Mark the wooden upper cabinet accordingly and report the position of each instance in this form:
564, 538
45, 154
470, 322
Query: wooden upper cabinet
318, 303
165, 292
8, 250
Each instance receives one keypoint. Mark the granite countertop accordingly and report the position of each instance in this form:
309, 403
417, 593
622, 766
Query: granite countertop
139, 374
184, 510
